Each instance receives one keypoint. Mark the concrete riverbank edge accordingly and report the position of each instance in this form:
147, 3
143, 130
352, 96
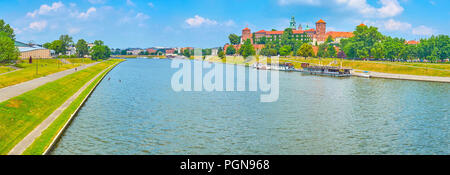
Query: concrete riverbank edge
50, 143
401, 76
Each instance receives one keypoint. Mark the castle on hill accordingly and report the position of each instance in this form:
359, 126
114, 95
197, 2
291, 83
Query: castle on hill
319, 34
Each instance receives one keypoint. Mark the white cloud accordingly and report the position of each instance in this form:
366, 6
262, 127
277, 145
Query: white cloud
38, 25
389, 8
87, 13
46, 9
142, 16
97, 1
288, 2
150, 4
73, 31
393, 25
198, 21
130, 3
423, 30
229, 23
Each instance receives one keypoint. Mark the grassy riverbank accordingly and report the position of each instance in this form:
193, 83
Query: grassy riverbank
41, 144
423, 69
44, 66
21, 114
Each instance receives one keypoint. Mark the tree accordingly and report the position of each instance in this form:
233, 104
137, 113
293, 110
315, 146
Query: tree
329, 39
331, 51
262, 40
286, 38
363, 41
187, 53
285, 50
247, 49
230, 50
58, 47
123, 52
82, 48
305, 50
100, 52
47, 45
6, 29
66, 41
378, 50
321, 53
341, 54
8, 51
220, 53
98, 42
234, 39
363, 53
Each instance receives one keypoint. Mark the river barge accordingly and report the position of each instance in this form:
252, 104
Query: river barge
326, 70
279, 67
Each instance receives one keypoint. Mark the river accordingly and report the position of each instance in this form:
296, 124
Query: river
141, 114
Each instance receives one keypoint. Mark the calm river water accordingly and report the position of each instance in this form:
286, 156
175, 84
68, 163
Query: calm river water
141, 114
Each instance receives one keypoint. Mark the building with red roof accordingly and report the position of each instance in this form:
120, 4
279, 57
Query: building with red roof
319, 34
412, 42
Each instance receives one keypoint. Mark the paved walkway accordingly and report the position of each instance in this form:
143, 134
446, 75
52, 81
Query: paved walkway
402, 76
18, 89
33, 135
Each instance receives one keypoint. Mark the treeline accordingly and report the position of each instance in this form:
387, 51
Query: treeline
65, 42
8, 51
369, 43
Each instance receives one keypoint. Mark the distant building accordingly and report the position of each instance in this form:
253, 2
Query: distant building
135, 52
151, 51
170, 51
90, 45
214, 51
34, 51
412, 42
71, 50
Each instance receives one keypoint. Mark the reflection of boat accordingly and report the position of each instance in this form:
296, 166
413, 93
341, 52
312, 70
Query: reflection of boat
326, 70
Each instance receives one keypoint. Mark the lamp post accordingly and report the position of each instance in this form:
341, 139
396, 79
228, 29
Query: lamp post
37, 66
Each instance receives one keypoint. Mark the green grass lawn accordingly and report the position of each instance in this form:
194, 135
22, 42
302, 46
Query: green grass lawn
21, 114
43, 142
80, 60
28, 71
4, 69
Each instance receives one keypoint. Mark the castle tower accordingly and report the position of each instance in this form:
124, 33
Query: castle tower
321, 27
300, 27
246, 34
292, 24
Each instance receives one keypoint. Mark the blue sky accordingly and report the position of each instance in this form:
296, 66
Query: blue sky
207, 23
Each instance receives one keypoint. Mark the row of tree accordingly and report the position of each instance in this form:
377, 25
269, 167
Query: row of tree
369, 43
61, 46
